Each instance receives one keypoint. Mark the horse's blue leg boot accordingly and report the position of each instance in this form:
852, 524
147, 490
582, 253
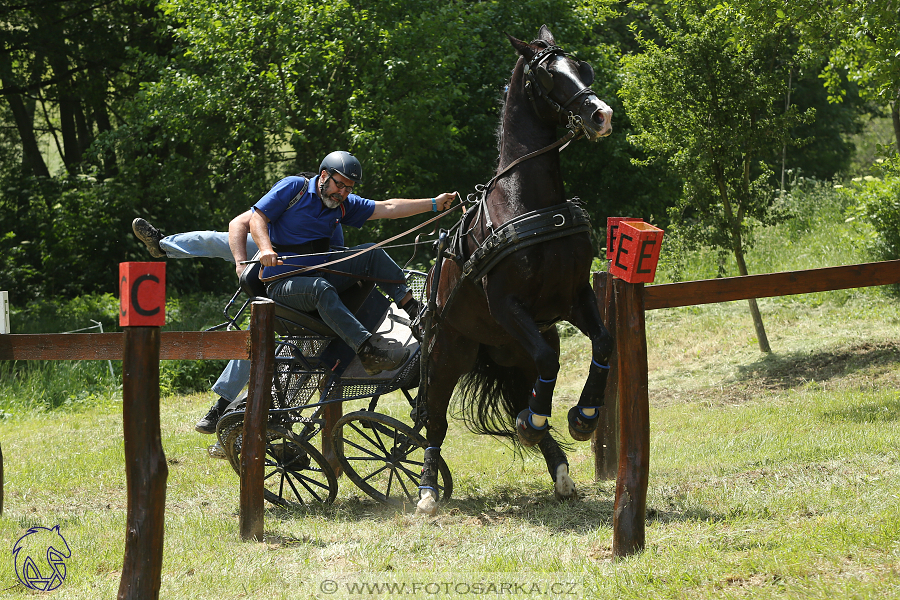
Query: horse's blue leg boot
581, 425
542, 396
430, 470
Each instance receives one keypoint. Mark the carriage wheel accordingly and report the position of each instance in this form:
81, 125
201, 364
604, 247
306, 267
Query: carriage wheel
228, 430
384, 457
295, 473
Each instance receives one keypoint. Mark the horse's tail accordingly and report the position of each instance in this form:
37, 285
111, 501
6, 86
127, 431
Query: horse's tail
491, 396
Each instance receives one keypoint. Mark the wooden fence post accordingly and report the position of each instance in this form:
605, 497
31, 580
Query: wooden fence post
259, 398
605, 442
634, 421
145, 465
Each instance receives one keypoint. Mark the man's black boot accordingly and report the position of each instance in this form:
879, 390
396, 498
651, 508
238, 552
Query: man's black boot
150, 235
208, 423
379, 354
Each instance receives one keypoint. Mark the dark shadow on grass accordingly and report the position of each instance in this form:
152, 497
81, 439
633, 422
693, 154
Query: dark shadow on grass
785, 371
671, 515
593, 509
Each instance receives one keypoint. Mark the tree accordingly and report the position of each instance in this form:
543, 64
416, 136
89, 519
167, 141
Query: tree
708, 99
861, 39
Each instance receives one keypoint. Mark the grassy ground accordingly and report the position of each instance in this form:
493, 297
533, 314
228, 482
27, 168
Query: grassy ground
771, 476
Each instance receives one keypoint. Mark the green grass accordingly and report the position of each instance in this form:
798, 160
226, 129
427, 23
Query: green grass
770, 476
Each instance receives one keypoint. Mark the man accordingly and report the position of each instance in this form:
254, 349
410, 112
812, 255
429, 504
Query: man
235, 246
297, 218
335, 188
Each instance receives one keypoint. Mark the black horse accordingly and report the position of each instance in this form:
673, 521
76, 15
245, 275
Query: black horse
496, 313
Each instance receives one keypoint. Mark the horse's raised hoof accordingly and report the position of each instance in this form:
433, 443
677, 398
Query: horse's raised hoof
529, 435
564, 487
580, 427
427, 504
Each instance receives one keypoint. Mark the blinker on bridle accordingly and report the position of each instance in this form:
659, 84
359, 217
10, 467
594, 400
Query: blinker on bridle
539, 82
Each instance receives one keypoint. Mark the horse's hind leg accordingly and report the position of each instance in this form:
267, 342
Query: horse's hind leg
511, 314
558, 466
583, 418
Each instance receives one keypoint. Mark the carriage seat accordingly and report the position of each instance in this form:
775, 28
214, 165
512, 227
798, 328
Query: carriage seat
369, 306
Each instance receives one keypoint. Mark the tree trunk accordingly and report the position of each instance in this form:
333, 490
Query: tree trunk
895, 117
31, 154
754, 308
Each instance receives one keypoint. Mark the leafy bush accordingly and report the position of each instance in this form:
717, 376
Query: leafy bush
877, 199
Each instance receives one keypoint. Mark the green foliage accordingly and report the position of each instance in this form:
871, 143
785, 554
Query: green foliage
877, 199
40, 386
187, 111
708, 100
188, 376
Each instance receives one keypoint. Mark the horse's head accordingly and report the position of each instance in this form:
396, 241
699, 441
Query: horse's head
559, 86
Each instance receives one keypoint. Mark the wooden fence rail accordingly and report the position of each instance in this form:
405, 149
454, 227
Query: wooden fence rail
174, 345
627, 400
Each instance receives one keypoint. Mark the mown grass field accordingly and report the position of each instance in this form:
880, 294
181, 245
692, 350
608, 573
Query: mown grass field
771, 476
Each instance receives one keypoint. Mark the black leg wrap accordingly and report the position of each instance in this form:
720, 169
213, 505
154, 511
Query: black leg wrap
430, 470
553, 454
595, 386
542, 396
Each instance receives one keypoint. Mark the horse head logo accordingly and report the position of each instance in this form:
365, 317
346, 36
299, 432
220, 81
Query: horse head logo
40, 558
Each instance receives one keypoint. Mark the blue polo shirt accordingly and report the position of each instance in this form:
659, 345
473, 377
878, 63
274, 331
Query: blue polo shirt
308, 219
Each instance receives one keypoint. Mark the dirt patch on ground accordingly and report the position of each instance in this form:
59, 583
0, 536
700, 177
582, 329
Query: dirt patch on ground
868, 365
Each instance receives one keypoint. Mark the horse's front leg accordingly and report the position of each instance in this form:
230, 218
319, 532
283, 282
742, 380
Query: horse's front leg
451, 357
584, 417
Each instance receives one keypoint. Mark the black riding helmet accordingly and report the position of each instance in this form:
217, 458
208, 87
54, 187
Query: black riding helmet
343, 163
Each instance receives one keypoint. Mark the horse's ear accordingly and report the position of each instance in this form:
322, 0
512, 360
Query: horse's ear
521, 47
545, 35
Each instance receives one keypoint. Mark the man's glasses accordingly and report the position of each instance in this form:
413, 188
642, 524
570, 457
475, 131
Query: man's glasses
341, 186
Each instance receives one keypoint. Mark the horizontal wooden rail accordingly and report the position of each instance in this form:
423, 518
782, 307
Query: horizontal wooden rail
175, 345
708, 291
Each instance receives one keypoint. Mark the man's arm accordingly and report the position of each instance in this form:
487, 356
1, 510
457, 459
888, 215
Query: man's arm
238, 229
397, 208
259, 229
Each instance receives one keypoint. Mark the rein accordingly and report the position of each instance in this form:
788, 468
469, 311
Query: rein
340, 260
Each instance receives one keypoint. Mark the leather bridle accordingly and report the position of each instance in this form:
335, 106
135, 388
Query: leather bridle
534, 71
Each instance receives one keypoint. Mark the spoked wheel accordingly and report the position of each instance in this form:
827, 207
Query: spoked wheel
295, 475
384, 457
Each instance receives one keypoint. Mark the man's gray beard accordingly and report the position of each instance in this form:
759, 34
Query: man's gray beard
330, 203
327, 201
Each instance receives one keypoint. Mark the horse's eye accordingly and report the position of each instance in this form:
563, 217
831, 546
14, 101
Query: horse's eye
586, 72
545, 77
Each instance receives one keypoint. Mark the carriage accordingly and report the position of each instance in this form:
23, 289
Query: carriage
315, 371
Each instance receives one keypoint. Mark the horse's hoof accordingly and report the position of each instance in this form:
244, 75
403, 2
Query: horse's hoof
529, 435
564, 488
427, 504
580, 427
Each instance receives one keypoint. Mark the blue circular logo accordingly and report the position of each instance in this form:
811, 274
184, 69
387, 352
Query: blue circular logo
40, 558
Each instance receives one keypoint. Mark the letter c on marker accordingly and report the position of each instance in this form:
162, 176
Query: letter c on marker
134, 295
123, 310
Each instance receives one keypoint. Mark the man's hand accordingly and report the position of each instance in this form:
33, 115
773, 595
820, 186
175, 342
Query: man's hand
269, 258
445, 200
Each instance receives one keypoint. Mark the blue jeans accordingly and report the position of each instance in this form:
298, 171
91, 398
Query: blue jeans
311, 293
213, 244
199, 244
